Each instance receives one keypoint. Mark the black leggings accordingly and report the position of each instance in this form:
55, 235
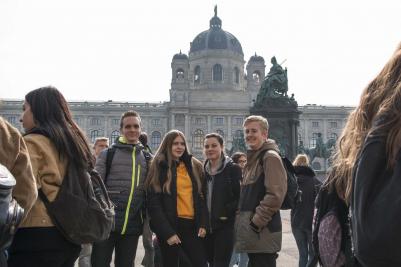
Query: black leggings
42, 246
219, 246
191, 250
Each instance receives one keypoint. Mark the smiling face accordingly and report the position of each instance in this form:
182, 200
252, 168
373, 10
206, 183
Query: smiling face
212, 148
27, 117
255, 136
178, 147
131, 129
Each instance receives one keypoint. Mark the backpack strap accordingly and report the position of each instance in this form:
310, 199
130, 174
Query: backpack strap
109, 158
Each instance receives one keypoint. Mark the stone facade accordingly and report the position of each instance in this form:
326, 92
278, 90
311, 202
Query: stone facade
210, 92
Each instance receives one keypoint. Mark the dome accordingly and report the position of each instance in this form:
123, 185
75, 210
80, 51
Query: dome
180, 56
257, 58
216, 38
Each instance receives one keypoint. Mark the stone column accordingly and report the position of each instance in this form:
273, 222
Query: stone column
186, 133
209, 124
172, 121
229, 139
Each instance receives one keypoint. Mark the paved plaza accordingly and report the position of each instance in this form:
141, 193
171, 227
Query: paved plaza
288, 255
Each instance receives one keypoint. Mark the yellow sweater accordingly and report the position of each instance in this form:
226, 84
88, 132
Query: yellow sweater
185, 203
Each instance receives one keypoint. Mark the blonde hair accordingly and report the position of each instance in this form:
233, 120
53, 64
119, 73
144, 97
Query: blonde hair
301, 160
264, 125
101, 139
378, 113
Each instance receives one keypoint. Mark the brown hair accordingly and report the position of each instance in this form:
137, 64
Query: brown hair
129, 113
379, 113
164, 153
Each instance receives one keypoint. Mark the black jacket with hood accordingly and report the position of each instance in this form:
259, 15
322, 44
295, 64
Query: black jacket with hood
302, 214
223, 192
162, 206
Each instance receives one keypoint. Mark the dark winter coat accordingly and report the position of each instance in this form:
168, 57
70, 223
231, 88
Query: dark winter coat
125, 184
302, 214
224, 193
162, 206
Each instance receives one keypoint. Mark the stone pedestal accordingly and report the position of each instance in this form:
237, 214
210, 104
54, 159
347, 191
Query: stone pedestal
283, 117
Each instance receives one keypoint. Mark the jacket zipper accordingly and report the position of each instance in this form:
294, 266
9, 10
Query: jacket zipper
132, 191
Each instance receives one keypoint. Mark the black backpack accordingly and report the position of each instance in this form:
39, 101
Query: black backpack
82, 210
293, 195
11, 213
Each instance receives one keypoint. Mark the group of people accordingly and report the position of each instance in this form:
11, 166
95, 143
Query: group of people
201, 212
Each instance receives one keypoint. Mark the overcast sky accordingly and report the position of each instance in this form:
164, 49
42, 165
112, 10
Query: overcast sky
122, 50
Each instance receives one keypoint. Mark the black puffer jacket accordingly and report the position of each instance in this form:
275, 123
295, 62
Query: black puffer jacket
223, 192
162, 207
302, 214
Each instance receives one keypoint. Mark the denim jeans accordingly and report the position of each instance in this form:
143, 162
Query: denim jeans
303, 239
239, 258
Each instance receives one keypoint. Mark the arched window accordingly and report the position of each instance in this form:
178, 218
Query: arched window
114, 135
179, 74
94, 135
236, 75
300, 139
197, 75
198, 138
156, 139
220, 132
217, 72
256, 77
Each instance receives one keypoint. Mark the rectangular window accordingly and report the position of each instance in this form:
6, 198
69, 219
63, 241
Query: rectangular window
219, 121
315, 124
156, 122
115, 121
238, 121
198, 121
333, 124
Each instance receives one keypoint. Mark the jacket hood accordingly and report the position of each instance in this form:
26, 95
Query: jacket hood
224, 160
121, 142
304, 173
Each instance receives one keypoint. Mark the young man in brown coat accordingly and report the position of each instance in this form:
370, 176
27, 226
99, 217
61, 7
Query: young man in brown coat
258, 224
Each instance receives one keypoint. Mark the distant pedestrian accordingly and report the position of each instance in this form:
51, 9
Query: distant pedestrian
302, 213
176, 202
223, 182
241, 259
147, 235
101, 143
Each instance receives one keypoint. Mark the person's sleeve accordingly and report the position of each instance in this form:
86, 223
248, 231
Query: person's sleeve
236, 175
25, 190
276, 188
158, 219
100, 166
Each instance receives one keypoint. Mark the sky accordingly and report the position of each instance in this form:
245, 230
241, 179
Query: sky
121, 50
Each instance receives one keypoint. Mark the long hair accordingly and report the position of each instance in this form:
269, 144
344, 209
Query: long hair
379, 113
164, 154
52, 116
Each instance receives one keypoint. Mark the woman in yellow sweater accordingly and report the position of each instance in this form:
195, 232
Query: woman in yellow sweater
176, 202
